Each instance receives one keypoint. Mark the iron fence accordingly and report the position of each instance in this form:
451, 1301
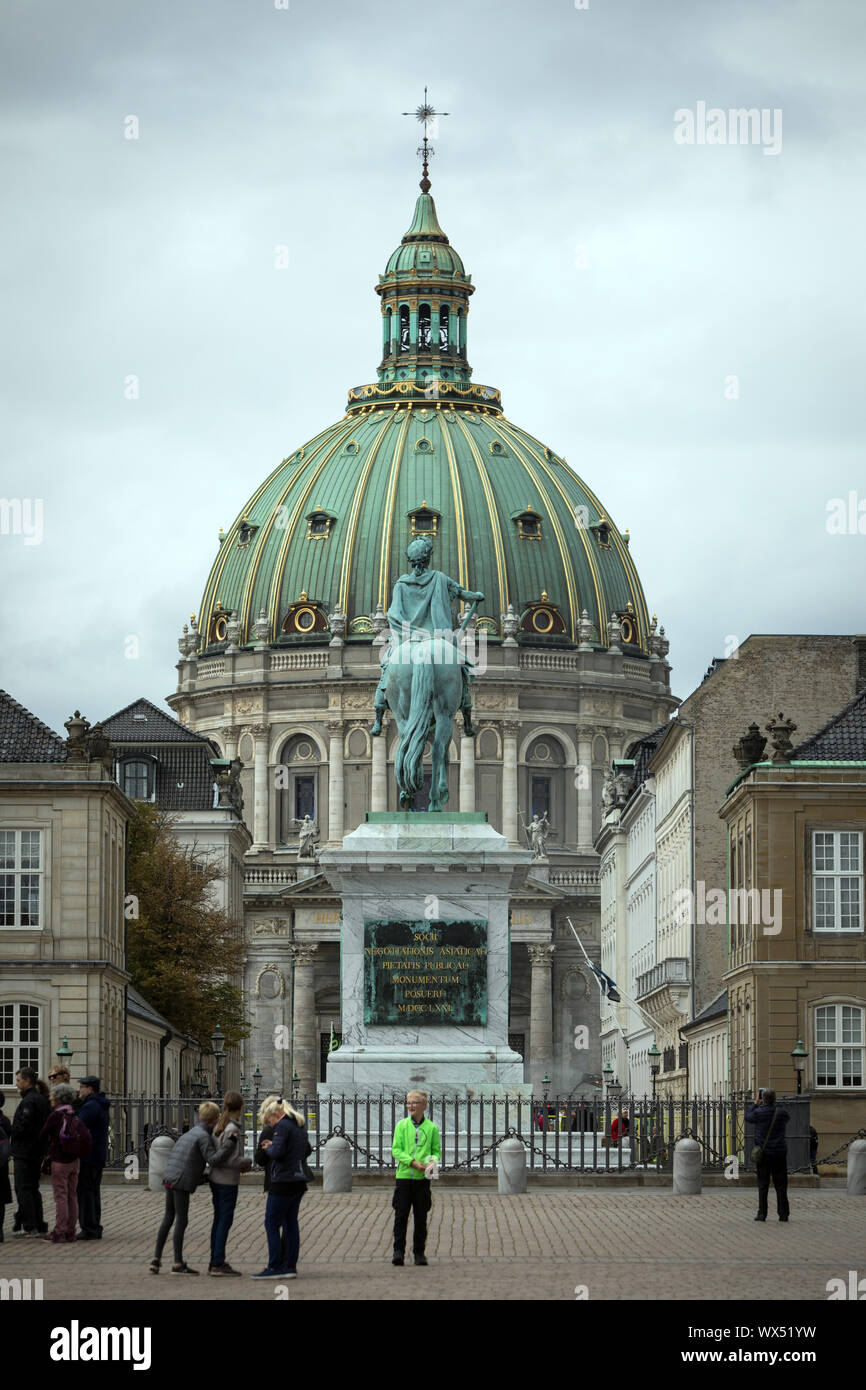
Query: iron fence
592, 1135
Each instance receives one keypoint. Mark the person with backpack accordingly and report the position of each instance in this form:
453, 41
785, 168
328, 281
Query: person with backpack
27, 1147
184, 1171
93, 1111
68, 1141
225, 1180
5, 1153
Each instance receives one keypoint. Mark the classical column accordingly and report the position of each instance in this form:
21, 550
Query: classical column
584, 791
467, 774
509, 779
540, 1016
230, 736
304, 1045
260, 798
379, 779
335, 780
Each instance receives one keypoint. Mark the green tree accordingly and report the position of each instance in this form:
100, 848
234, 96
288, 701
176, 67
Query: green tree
184, 951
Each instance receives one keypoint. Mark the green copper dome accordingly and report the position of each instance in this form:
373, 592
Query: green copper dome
423, 450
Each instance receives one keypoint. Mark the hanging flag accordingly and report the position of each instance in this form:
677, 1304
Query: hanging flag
608, 985
333, 1044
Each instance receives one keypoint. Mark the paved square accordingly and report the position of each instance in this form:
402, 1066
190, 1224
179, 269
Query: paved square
630, 1245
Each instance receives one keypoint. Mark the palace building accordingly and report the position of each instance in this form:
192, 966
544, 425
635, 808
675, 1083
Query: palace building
280, 664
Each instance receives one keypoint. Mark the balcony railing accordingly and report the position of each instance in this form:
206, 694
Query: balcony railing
672, 971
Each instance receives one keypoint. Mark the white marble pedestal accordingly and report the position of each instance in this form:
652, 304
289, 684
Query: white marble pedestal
410, 866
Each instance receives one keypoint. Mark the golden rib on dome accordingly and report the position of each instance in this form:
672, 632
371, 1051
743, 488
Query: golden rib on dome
277, 577
564, 554
384, 595
354, 512
634, 584
499, 550
597, 581
457, 495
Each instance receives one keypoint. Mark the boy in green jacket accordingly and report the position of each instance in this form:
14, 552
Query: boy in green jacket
416, 1143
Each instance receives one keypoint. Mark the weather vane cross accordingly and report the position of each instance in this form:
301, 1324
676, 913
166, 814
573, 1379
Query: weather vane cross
427, 115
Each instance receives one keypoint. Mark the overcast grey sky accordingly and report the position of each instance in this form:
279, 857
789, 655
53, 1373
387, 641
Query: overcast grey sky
261, 126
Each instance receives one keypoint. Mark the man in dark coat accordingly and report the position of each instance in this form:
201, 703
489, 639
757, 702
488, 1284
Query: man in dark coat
27, 1122
92, 1111
770, 1121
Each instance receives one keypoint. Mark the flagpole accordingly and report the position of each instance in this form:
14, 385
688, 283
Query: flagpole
625, 997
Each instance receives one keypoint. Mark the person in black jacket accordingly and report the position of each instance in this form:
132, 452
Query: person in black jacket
27, 1146
5, 1189
287, 1151
92, 1111
770, 1121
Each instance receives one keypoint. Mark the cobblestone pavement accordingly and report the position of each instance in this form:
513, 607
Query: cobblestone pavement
632, 1245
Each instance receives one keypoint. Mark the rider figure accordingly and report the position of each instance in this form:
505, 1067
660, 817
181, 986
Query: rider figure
422, 602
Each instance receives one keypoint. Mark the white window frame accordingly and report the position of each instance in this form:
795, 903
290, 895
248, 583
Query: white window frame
840, 1047
15, 1042
17, 872
836, 875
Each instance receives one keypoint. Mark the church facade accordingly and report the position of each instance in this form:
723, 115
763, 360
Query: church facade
280, 665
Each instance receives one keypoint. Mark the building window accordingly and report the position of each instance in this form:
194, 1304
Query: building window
443, 327
424, 326
20, 878
528, 523
404, 328
135, 779
305, 797
837, 880
19, 1040
319, 525
839, 1050
540, 796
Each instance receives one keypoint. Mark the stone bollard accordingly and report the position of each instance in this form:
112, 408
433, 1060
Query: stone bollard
157, 1158
857, 1169
512, 1167
337, 1165
687, 1168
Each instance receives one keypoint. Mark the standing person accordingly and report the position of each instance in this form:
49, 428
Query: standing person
271, 1111
59, 1076
415, 1143
27, 1148
184, 1171
93, 1112
619, 1127
5, 1148
287, 1151
68, 1140
224, 1181
770, 1120
813, 1148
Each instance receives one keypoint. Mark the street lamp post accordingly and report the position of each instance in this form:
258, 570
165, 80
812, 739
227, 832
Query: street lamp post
217, 1042
654, 1060
799, 1056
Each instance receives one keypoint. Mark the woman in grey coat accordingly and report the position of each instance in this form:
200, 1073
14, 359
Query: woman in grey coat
183, 1173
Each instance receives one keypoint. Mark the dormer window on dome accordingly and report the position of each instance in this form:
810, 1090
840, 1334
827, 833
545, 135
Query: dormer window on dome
628, 625
423, 446
528, 524
319, 524
601, 531
543, 619
304, 618
246, 531
425, 520
219, 628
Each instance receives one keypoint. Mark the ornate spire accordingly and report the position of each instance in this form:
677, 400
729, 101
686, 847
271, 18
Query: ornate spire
428, 116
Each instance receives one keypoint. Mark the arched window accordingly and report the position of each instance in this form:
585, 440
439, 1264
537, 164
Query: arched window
298, 784
840, 1046
545, 784
404, 327
136, 778
424, 326
444, 315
